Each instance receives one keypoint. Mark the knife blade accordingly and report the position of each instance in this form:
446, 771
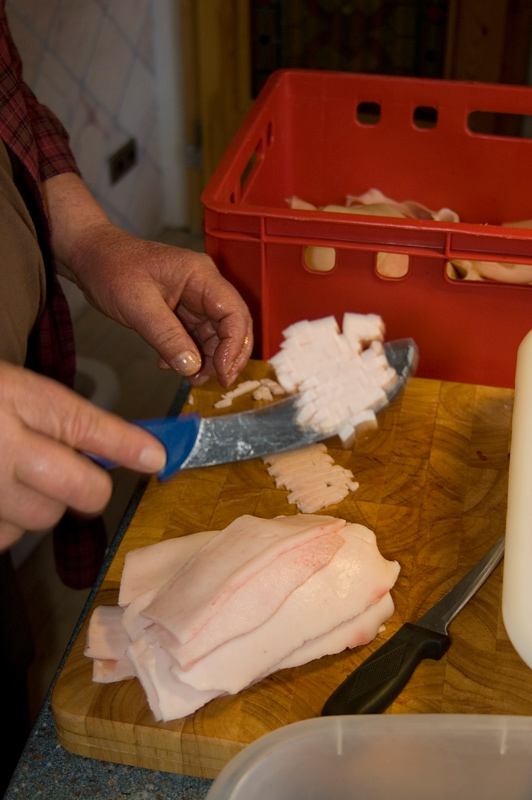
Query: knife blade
373, 686
195, 441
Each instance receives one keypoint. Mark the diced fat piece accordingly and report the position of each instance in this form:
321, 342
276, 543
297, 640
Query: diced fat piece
273, 386
311, 476
167, 697
152, 566
107, 670
242, 388
336, 374
310, 454
357, 577
310, 501
225, 402
262, 393
222, 567
364, 327
248, 608
354, 632
106, 638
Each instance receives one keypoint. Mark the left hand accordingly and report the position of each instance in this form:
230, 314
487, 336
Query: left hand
175, 299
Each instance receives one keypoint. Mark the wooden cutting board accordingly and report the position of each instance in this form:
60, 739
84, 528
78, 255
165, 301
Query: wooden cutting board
433, 485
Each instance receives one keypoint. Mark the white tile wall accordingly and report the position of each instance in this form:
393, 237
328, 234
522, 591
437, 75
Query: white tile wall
92, 62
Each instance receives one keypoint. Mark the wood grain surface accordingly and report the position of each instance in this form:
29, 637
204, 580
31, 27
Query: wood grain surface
433, 486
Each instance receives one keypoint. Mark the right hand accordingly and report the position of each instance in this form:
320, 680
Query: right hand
43, 426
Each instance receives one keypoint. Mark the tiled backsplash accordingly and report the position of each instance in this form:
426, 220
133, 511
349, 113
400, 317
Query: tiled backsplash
92, 63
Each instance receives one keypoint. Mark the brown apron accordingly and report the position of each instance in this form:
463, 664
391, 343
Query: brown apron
22, 296
22, 275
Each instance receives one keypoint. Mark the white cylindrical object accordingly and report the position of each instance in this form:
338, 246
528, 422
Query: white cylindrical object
517, 570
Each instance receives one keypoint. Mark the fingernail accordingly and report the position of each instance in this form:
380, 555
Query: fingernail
153, 459
187, 362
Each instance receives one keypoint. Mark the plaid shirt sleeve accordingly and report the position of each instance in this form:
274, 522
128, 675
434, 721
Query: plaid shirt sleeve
28, 123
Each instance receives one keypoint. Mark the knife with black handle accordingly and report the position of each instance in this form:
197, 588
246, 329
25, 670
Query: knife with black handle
375, 684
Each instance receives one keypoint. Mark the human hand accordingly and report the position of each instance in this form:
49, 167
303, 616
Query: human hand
175, 299
43, 425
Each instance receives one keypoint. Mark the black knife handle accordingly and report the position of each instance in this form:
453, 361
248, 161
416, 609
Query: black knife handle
380, 678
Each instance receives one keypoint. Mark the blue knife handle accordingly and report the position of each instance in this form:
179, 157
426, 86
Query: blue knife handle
178, 435
380, 678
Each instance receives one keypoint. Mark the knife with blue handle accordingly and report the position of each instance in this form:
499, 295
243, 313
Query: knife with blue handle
195, 441
375, 684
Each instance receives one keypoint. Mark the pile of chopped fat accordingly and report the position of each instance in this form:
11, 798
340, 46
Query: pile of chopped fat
311, 477
340, 376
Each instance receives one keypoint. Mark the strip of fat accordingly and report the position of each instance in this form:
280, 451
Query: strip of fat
106, 638
246, 608
107, 670
357, 577
152, 566
222, 568
354, 632
168, 697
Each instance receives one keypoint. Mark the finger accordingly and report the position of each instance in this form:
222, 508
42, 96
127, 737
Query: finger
158, 325
9, 534
49, 408
29, 510
233, 351
61, 477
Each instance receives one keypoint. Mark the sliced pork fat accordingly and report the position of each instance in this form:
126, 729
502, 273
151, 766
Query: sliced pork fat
152, 566
220, 571
322, 610
356, 578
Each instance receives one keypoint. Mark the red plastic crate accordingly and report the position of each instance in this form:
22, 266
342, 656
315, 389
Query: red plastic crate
303, 137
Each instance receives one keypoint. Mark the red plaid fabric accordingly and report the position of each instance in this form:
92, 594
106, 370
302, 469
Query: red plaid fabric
38, 148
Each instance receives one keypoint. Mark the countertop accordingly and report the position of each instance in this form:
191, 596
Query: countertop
433, 480
47, 770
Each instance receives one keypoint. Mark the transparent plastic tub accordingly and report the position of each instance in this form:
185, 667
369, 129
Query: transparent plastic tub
404, 757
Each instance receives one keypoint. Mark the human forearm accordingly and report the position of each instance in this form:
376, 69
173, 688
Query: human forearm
73, 213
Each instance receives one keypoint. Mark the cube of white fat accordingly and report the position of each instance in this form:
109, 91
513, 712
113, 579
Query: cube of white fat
262, 393
364, 327
309, 329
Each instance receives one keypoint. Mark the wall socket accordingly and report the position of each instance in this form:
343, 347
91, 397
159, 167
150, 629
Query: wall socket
122, 160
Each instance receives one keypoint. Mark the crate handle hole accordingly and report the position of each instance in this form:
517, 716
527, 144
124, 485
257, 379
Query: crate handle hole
318, 258
248, 169
460, 269
368, 113
392, 265
425, 117
499, 124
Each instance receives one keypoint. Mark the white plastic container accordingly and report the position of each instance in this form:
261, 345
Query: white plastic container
380, 757
517, 568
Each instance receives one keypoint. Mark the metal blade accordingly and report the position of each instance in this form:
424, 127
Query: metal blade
273, 429
446, 609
